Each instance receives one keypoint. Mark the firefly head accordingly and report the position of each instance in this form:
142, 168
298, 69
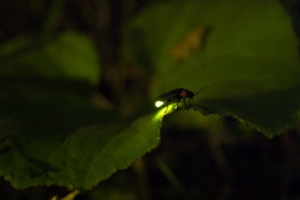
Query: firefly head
190, 94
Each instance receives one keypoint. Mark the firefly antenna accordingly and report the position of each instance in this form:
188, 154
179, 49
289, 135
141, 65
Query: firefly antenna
201, 90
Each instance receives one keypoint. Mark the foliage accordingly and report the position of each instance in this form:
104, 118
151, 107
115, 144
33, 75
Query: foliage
249, 58
51, 132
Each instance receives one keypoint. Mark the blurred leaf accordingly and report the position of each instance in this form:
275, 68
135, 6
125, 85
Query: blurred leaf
250, 58
70, 55
192, 41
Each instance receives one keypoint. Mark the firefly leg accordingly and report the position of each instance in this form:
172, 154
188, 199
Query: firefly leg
184, 101
186, 106
177, 106
167, 107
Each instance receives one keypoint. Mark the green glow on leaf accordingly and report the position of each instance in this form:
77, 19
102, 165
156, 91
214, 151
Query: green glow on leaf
164, 111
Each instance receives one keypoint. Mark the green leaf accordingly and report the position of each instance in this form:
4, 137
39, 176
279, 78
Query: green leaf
50, 131
248, 57
52, 134
70, 55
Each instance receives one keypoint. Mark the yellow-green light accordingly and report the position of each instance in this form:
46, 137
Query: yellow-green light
159, 103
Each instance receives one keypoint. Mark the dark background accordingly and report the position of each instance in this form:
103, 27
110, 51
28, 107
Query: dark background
189, 163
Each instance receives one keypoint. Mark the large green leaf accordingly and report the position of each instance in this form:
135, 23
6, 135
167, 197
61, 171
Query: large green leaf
249, 58
52, 135
50, 131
